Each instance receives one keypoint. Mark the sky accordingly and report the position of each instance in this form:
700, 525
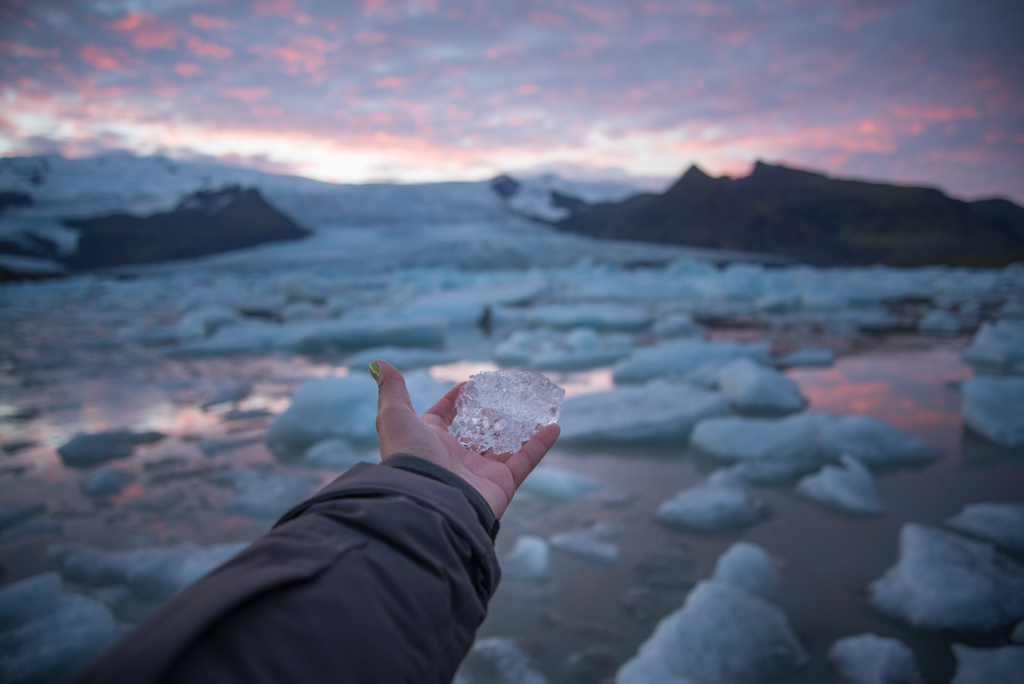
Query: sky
925, 92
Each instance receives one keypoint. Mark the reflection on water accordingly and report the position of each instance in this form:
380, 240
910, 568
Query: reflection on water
176, 492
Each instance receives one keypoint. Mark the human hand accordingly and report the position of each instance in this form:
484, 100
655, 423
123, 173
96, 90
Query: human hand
401, 431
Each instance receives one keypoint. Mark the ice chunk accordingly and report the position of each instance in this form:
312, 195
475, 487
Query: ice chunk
529, 559
337, 454
721, 634
153, 574
1000, 523
261, 494
989, 665
807, 357
749, 567
47, 635
657, 411
87, 450
558, 483
999, 344
942, 581
711, 507
501, 410
768, 471
994, 408
591, 543
495, 660
228, 394
848, 489
871, 659
750, 387
401, 358
679, 357
104, 482
675, 325
872, 442
622, 317
11, 514
544, 349
941, 322
205, 321
792, 439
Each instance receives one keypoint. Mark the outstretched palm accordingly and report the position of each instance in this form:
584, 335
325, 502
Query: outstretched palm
401, 431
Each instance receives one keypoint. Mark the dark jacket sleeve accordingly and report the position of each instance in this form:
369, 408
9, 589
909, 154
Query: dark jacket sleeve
382, 576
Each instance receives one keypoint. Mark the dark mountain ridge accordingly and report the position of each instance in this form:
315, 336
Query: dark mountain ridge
815, 218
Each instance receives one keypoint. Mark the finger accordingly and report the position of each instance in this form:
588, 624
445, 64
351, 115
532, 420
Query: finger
444, 408
391, 390
522, 463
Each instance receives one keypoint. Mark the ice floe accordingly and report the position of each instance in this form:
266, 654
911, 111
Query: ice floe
807, 357
657, 411
593, 543
337, 454
999, 523
791, 440
262, 494
402, 358
86, 450
872, 659
495, 660
994, 408
559, 483
721, 634
12, 514
942, 581
848, 488
545, 349
941, 322
151, 574
529, 559
749, 567
47, 635
679, 357
999, 344
603, 317
676, 324
988, 665
872, 442
756, 389
104, 482
205, 321
713, 506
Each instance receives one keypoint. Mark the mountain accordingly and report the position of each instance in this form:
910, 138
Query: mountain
814, 218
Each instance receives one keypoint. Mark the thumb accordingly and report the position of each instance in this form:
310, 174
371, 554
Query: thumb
391, 390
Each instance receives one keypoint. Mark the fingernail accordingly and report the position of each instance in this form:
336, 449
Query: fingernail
375, 370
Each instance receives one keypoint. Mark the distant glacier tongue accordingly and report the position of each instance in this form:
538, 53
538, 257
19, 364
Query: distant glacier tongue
503, 409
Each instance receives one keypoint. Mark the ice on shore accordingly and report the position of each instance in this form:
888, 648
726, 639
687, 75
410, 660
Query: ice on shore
89, 449
261, 494
203, 322
151, 574
502, 410
544, 349
871, 659
47, 635
402, 358
679, 357
749, 567
781, 440
496, 660
809, 357
943, 581
593, 543
713, 506
529, 560
872, 442
658, 411
337, 454
721, 634
848, 488
998, 344
994, 408
988, 665
756, 389
559, 483
999, 523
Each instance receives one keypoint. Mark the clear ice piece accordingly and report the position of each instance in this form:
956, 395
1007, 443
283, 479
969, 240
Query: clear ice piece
504, 409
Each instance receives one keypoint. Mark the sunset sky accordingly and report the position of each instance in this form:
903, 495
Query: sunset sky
919, 91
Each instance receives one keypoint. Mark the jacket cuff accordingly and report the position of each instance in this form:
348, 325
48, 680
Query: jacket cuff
421, 466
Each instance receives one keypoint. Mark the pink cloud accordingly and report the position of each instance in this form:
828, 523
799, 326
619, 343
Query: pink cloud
202, 48
248, 95
100, 57
208, 22
188, 69
528, 89
21, 50
146, 31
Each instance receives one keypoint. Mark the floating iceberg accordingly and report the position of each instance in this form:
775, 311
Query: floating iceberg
11, 514
204, 322
808, 357
337, 454
994, 408
86, 450
401, 358
749, 567
502, 410
154, 574
754, 388
545, 349
999, 344
721, 634
499, 661
999, 523
657, 411
560, 484
261, 494
679, 357
848, 489
941, 322
871, 659
768, 471
712, 506
592, 543
792, 440
529, 559
942, 581
104, 482
47, 635
621, 317
675, 325
872, 442
989, 665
